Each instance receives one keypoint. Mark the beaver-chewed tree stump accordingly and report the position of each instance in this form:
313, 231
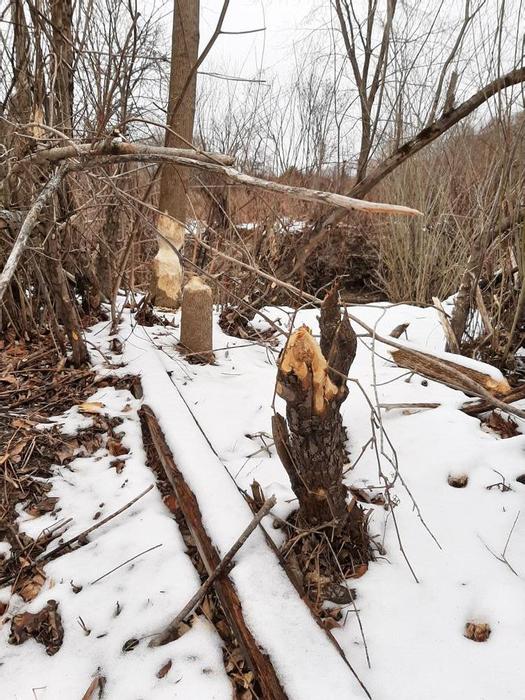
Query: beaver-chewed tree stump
310, 442
196, 337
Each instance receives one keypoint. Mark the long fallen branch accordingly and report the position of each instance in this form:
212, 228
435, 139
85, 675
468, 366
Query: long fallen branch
27, 227
302, 193
231, 605
213, 162
170, 632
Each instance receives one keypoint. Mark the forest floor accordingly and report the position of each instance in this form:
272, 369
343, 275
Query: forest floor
438, 615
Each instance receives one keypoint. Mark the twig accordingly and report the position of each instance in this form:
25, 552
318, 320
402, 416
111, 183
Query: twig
411, 406
503, 558
170, 631
65, 545
145, 551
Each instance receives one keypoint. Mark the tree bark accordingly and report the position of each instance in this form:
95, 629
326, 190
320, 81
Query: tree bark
66, 306
181, 115
63, 57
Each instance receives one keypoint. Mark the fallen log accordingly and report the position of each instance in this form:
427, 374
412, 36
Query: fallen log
259, 663
114, 150
449, 372
474, 408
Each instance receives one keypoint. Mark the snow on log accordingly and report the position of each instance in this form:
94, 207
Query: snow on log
438, 368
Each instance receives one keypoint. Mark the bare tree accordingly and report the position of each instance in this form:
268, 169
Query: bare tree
369, 43
181, 115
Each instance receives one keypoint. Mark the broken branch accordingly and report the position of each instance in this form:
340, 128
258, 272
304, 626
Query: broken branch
170, 631
27, 227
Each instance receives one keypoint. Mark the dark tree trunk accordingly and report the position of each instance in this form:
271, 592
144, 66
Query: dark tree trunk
66, 306
311, 441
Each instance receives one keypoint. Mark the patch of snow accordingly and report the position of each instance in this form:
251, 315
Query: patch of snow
134, 601
414, 631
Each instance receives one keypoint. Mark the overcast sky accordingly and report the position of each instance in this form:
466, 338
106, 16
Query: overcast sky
287, 22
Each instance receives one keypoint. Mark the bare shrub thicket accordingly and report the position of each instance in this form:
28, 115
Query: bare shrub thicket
418, 104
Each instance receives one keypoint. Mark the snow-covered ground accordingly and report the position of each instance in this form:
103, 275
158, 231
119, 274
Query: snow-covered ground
414, 630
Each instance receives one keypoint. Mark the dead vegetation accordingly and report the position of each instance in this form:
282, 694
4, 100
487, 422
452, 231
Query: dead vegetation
88, 194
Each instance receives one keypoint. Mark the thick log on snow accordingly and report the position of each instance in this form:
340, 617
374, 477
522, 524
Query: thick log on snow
231, 605
438, 369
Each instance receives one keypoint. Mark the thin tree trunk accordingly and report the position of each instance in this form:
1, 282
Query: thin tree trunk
66, 306
181, 114
27, 227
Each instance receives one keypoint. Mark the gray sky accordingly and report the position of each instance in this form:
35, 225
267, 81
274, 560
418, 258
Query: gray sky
287, 22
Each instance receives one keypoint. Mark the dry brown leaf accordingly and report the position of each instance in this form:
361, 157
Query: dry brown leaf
97, 683
506, 427
116, 448
9, 379
13, 453
30, 584
118, 465
360, 570
45, 627
46, 505
477, 631
23, 423
67, 451
163, 670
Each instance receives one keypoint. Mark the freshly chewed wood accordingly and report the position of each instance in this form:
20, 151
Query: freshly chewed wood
255, 658
439, 370
170, 631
